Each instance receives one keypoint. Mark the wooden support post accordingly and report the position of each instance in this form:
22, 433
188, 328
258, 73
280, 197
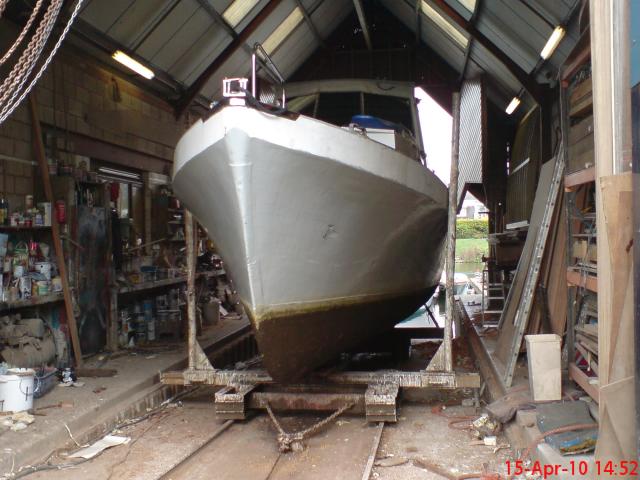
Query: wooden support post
112, 324
38, 150
451, 231
612, 147
189, 238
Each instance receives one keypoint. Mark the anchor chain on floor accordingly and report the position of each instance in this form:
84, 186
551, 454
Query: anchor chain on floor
288, 441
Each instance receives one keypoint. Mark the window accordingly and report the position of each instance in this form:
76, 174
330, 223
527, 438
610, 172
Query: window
337, 108
392, 109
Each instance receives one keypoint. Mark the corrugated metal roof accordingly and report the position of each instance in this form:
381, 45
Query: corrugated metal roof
181, 38
472, 136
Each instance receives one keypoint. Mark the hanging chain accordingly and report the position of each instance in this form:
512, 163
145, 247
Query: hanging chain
23, 33
13, 104
3, 5
29, 57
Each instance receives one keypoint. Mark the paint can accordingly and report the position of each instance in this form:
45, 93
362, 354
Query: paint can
56, 284
44, 268
43, 287
17, 389
18, 271
24, 285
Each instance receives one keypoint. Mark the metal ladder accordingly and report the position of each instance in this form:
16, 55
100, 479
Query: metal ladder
494, 292
531, 281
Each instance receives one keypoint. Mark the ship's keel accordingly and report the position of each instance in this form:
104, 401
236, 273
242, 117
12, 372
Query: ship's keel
295, 343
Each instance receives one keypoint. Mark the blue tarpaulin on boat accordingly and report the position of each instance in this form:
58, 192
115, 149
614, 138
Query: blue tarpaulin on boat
368, 121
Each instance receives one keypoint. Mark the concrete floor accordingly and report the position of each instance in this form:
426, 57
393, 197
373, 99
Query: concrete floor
99, 403
248, 450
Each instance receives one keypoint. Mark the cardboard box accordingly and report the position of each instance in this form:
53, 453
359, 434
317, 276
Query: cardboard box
545, 377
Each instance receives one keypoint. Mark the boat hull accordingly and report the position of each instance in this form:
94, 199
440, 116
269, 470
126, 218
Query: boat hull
330, 238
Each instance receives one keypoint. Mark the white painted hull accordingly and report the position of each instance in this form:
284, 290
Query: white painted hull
312, 218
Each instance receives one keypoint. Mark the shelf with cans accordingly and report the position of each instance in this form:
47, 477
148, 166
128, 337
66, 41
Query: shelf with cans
29, 269
155, 310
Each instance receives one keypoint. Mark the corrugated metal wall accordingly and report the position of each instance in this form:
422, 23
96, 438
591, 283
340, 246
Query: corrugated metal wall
472, 135
524, 168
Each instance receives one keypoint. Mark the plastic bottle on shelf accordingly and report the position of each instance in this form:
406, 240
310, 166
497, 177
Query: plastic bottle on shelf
4, 211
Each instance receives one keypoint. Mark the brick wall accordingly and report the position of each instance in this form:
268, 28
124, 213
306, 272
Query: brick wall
75, 96
78, 96
17, 170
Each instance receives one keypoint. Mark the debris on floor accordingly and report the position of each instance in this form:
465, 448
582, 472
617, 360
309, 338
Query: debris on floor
17, 421
105, 442
484, 426
560, 416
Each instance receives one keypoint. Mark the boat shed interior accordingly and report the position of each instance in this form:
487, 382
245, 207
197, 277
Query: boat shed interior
359, 239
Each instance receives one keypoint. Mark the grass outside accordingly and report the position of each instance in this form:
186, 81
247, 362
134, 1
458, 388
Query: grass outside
471, 249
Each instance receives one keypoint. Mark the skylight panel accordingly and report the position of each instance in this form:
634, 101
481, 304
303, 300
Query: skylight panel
284, 29
238, 10
444, 24
469, 4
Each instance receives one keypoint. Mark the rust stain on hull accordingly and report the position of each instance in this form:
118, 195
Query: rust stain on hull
295, 341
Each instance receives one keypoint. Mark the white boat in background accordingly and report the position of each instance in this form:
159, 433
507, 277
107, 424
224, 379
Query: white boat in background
331, 237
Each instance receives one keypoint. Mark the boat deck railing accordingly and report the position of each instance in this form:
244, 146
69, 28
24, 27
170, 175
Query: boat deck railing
260, 56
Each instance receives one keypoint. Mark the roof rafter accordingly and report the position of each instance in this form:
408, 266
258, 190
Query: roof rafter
363, 23
467, 53
183, 103
527, 81
217, 18
312, 27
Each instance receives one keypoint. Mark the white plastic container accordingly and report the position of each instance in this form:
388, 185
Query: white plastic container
545, 377
16, 390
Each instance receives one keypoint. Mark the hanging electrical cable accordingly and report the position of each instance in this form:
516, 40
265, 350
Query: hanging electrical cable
13, 87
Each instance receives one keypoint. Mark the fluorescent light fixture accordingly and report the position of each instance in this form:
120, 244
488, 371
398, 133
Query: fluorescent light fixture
284, 29
553, 42
444, 24
127, 61
237, 11
513, 105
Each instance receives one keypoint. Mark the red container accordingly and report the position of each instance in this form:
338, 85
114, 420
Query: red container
61, 212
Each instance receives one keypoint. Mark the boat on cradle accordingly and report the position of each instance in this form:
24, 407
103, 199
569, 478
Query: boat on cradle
331, 228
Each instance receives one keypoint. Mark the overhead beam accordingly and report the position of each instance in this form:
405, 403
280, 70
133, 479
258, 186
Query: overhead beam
467, 53
363, 23
527, 81
217, 18
311, 25
183, 103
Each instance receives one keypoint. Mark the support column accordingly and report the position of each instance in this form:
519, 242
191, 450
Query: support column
451, 233
189, 239
612, 145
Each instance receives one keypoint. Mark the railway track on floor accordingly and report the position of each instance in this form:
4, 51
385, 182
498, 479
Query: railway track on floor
214, 445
